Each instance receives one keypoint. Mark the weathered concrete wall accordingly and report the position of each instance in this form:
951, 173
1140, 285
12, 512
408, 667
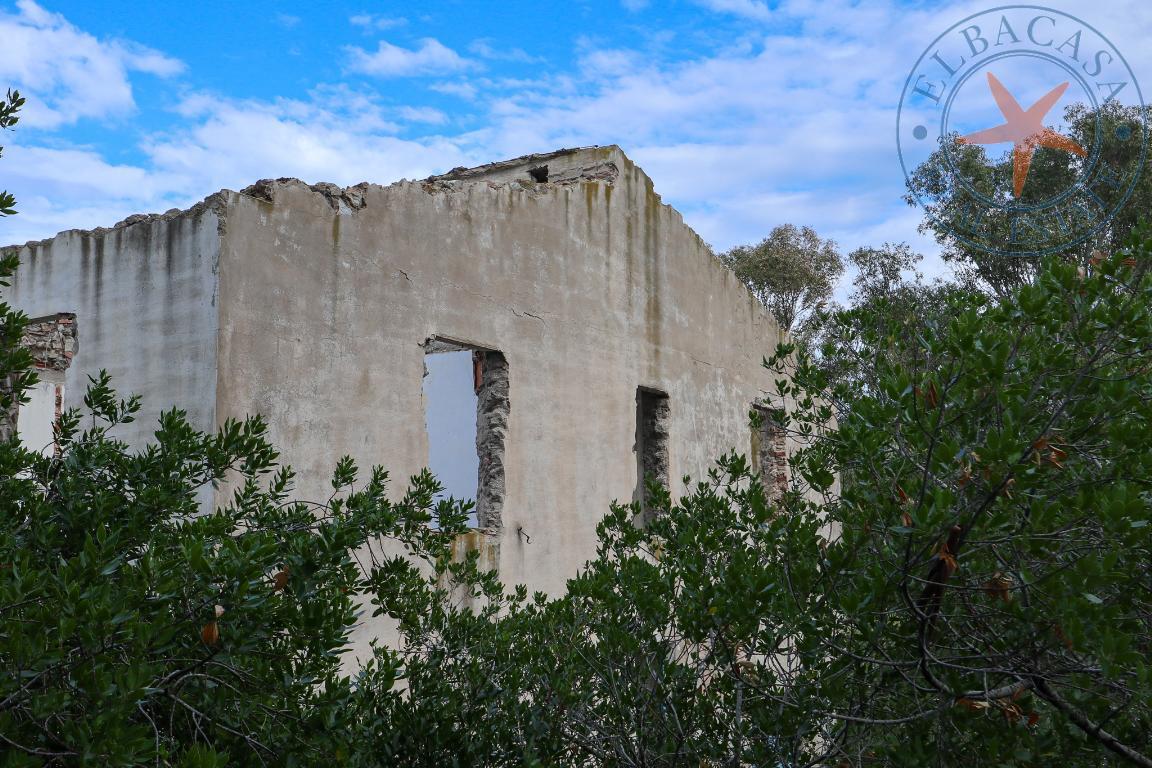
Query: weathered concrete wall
590, 289
143, 294
311, 305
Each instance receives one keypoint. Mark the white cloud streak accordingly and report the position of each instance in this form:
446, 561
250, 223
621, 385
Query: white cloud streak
750, 9
68, 74
431, 57
371, 22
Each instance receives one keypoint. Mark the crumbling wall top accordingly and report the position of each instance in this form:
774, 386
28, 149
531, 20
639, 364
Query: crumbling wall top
538, 172
563, 166
214, 203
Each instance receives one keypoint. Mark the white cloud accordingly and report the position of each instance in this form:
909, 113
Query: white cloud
466, 91
372, 22
234, 143
485, 49
431, 58
68, 74
80, 174
751, 9
422, 115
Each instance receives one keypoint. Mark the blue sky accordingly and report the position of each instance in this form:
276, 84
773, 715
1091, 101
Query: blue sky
746, 113
450, 414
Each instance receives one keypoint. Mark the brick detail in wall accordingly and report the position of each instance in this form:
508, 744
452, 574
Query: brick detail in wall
52, 341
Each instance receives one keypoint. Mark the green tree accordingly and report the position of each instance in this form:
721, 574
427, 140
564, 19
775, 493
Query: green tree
987, 600
138, 629
790, 271
1113, 127
15, 364
9, 109
892, 300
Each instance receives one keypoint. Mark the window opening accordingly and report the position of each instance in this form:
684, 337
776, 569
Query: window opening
466, 414
769, 450
652, 416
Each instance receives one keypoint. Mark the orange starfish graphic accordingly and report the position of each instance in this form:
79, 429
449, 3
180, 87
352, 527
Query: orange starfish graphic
1025, 129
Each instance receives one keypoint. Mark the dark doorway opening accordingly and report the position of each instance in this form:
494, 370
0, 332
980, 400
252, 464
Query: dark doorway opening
653, 413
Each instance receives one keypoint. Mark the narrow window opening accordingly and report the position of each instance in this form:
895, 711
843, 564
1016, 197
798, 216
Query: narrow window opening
652, 416
450, 414
466, 414
539, 174
51, 341
769, 449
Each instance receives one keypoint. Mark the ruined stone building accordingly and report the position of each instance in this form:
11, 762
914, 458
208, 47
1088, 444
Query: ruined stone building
607, 341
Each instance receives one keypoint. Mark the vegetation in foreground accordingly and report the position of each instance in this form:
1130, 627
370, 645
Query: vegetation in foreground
977, 593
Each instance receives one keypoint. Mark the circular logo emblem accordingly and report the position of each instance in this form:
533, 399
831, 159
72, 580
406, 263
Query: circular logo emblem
1021, 131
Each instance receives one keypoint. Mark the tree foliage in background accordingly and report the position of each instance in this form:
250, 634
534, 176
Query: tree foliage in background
892, 300
1111, 129
790, 271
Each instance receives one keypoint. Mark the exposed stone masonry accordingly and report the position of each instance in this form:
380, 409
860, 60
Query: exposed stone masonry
492, 408
564, 166
769, 451
342, 199
51, 340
